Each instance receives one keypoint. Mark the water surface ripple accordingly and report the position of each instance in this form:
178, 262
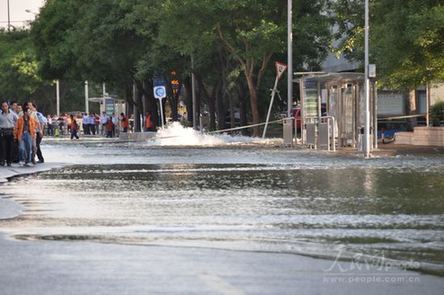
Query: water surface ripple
243, 199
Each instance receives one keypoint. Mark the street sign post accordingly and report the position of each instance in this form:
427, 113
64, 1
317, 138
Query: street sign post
160, 93
280, 69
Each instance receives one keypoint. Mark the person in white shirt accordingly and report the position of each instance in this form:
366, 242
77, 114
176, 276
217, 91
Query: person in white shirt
115, 120
8, 119
85, 124
103, 121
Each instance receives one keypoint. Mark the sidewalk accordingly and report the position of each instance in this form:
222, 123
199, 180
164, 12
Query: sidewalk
10, 209
405, 149
17, 170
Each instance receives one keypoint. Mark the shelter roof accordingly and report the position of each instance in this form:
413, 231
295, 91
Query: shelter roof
345, 77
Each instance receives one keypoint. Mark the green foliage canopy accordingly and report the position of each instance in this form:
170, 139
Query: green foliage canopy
406, 39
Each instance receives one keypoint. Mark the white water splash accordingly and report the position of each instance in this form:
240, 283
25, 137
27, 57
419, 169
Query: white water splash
177, 135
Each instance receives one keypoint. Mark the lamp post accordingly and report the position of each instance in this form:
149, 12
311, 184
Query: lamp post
193, 94
58, 97
9, 18
86, 98
367, 85
289, 56
29, 11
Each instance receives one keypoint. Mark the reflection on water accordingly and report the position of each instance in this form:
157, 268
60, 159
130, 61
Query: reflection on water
395, 213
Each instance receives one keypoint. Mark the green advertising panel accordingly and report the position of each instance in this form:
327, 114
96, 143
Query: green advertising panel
310, 98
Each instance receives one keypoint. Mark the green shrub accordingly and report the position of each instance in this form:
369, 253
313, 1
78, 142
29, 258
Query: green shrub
437, 113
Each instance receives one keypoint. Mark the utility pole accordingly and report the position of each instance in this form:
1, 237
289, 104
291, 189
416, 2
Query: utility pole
86, 98
9, 19
193, 91
290, 56
58, 97
367, 85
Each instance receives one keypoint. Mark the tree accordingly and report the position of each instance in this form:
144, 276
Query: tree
19, 77
51, 34
406, 40
126, 43
92, 40
250, 32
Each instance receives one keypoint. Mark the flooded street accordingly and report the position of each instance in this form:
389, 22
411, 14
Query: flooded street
237, 196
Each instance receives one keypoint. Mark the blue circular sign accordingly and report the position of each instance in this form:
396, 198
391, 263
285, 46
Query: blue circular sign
159, 92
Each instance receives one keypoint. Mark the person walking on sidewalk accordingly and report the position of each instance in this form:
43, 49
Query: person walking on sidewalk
103, 121
85, 124
124, 123
25, 133
16, 109
8, 119
74, 128
40, 129
149, 126
109, 126
116, 130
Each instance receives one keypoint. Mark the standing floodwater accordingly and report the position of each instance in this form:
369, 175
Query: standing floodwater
242, 197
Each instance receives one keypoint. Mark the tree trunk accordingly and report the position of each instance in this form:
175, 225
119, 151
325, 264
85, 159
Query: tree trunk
129, 100
173, 100
220, 110
144, 99
253, 102
210, 101
152, 103
412, 110
189, 99
243, 108
198, 104
232, 111
138, 107
212, 109
174, 105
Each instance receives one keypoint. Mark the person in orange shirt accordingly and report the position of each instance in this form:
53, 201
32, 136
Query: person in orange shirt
73, 127
124, 123
149, 126
109, 127
25, 132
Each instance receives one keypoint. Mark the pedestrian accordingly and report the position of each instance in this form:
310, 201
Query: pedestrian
85, 124
115, 120
8, 119
149, 126
92, 123
109, 128
40, 128
61, 123
103, 121
97, 123
25, 133
50, 126
124, 124
14, 108
17, 110
74, 128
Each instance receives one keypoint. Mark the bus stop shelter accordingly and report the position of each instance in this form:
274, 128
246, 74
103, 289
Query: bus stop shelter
333, 110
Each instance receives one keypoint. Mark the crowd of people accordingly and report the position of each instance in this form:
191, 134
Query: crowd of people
86, 124
93, 124
22, 128
21, 132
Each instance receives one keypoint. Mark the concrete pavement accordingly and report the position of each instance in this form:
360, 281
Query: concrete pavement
82, 267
